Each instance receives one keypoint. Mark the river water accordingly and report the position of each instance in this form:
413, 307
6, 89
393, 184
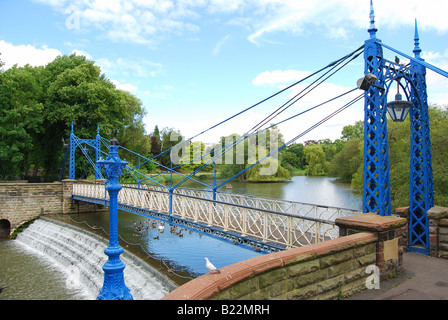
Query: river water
179, 254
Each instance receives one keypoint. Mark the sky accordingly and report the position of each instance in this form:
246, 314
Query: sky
196, 63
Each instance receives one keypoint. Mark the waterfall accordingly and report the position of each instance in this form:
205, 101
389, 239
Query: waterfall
81, 256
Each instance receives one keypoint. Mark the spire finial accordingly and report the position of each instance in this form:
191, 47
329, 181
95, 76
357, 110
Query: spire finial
372, 29
417, 49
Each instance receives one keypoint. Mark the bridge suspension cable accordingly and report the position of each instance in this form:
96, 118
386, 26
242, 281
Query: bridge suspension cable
315, 84
256, 129
333, 67
227, 147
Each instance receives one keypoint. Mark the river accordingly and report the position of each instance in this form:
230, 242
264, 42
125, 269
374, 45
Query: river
179, 256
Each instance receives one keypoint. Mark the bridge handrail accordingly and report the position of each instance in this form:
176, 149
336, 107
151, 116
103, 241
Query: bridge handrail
281, 206
270, 199
278, 203
248, 207
270, 226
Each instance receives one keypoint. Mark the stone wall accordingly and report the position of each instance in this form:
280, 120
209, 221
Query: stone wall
368, 246
326, 270
388, 230
21, 202
443, 239
437, 229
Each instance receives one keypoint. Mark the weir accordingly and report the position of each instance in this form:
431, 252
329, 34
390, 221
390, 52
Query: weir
81, 255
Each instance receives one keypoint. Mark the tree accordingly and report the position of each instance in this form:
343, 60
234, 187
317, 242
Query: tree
20, 114
155, 142
295, 155
249, 151
355, 131
399, 157
38, 105
315, 157
170, 137
347, 162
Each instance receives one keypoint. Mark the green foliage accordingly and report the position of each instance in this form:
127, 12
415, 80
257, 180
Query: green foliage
399, 155
293, 157
271, 166
315, 157
20, 115
251, 150
169, 137
38, 104
347, 162
355, 131
438, 122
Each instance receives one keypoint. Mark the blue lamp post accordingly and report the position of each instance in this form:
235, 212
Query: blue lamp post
114, 287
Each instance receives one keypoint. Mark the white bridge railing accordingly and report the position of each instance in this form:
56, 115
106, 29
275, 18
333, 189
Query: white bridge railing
286, 223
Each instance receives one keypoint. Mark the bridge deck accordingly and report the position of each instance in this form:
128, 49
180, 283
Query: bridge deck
263, 224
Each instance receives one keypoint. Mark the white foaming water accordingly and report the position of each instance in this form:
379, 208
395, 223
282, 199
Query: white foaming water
80, 255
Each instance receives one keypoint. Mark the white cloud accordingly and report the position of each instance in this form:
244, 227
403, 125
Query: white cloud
26, 54
332, 128
125, 86
129, 67
82, 53
334, 18
437, 84
148, 21
218, 47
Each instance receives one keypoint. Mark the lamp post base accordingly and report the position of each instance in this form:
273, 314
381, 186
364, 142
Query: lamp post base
114, 287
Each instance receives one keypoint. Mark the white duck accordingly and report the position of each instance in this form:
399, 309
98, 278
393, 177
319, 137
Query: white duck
210, 266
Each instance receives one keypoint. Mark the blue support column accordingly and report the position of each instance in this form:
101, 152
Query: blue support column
71, 163
376, 193
97, 152
421, 181
114, 287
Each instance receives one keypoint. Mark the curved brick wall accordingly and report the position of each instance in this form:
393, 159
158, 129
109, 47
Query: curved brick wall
325, 270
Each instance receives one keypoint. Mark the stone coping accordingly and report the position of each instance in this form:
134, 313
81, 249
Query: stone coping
208, 285
437, 213
371, 222
21, 183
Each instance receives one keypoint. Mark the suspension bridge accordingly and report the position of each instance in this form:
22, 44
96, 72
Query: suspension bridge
268, 224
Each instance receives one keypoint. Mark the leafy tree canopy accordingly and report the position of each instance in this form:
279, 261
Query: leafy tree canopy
38, 104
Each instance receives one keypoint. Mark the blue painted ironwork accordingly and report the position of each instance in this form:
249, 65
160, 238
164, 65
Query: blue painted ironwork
114, 287
76, 142
422, 194
376, 165
376, 186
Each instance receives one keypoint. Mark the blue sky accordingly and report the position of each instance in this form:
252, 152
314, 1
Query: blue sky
193, 63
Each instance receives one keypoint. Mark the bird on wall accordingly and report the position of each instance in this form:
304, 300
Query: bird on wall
210, 266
